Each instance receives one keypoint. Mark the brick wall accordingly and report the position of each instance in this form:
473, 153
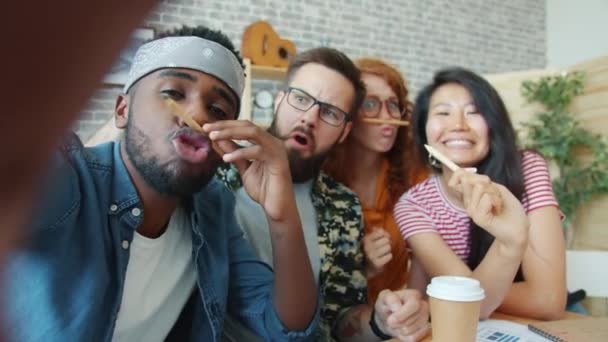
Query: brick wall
417, 36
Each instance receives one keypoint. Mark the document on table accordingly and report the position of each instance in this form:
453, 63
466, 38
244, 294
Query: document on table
496, 330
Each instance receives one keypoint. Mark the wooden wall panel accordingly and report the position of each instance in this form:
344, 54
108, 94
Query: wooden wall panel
591, 226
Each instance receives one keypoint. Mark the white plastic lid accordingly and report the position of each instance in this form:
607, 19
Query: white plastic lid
453, 288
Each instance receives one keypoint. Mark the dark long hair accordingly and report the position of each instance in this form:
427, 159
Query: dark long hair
503, 161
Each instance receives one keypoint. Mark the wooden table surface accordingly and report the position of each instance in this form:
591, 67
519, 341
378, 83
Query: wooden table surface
497, 315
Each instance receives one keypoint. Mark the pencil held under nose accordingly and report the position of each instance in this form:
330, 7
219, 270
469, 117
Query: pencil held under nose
188, 120
385, 122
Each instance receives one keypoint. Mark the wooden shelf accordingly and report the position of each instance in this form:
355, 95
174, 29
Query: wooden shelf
257, 72
268, 73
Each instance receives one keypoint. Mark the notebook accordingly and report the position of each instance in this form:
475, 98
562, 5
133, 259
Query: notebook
592, 329
495, 330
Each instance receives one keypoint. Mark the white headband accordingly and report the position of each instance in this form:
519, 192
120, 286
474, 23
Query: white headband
191, 53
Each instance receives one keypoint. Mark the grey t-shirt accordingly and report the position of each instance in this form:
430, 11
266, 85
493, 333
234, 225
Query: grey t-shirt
252, 219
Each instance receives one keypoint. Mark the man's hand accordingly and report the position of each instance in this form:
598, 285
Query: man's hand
264, 170
263, 166
377, 249
402, 314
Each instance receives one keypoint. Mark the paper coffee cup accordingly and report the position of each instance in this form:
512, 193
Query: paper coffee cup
455, 303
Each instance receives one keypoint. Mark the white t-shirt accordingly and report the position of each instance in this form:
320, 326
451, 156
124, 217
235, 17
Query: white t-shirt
426, 209
159, 280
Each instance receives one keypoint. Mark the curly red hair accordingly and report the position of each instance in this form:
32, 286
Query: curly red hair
405, 166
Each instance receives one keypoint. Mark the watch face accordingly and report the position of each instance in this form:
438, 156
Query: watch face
263, 99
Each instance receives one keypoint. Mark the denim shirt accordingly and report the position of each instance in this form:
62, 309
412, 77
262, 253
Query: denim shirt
67, 283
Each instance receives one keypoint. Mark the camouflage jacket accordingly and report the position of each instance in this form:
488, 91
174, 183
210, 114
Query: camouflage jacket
342, 282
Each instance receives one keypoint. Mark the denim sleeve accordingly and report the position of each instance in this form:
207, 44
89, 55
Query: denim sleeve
250, 295
59, 195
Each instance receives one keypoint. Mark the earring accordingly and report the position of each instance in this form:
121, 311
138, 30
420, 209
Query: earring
434, 162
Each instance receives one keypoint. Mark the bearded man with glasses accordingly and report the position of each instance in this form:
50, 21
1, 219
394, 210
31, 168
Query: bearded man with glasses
313, 114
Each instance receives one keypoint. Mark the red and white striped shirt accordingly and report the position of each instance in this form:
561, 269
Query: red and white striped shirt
426, 209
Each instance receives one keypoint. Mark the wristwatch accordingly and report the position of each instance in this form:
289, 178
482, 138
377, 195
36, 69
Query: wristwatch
376, 329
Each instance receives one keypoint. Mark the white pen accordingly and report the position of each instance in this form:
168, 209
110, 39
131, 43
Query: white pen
445, 160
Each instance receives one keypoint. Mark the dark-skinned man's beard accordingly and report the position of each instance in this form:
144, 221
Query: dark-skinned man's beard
169, 179
302, 169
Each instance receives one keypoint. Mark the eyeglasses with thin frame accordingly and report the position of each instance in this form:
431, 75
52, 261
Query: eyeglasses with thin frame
372, 106
330, 114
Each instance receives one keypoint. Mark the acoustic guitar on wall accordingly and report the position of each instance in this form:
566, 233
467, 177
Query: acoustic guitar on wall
263, 46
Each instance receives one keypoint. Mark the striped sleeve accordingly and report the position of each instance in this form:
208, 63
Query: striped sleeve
537, 183
411, 218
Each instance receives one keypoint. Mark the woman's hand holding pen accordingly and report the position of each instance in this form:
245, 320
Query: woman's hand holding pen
494, 208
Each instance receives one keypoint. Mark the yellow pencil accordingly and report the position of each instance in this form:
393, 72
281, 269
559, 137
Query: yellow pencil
388, 122
177, 111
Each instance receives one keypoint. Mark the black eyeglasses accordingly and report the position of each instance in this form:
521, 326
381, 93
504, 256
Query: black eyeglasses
372, 106
301, 100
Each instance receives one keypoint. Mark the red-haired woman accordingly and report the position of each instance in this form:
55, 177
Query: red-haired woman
379, 163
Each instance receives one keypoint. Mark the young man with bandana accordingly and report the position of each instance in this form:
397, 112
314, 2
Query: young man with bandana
312, 114
134, 240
